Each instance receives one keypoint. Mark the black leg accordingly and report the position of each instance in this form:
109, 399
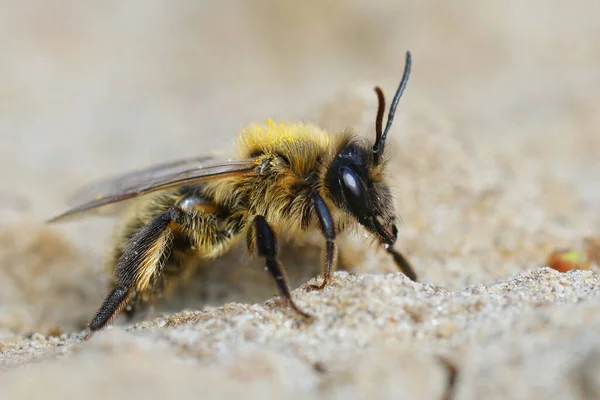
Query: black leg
267, 247
403, 264
328, 230
142, 271
136, 267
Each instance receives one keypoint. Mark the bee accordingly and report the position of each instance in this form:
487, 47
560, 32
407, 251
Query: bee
288, 179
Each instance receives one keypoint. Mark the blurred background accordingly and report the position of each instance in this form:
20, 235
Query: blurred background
496, 140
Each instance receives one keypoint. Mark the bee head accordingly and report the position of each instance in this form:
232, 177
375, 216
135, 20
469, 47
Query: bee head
356, 185
355, 180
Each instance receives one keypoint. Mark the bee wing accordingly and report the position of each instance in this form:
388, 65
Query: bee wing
158, 177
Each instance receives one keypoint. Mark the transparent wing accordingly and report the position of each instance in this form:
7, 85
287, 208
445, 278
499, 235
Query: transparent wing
125, 182
155, 178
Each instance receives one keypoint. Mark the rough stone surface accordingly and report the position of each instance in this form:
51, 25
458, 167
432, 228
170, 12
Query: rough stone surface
495, 147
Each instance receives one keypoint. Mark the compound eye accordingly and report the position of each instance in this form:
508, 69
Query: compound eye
351, 182
353, 190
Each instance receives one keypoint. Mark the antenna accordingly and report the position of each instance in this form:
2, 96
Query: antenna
380, 137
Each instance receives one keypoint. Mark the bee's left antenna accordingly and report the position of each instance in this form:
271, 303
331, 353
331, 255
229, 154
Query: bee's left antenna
381, 136
378, 122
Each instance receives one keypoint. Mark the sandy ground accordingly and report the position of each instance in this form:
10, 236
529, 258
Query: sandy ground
496, 144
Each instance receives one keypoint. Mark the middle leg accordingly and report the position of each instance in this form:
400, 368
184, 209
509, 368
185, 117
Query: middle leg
266, 245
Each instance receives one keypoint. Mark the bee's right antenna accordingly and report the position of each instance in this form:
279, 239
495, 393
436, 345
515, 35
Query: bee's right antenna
380, 137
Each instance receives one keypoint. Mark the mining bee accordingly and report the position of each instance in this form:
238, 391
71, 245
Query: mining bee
289, 178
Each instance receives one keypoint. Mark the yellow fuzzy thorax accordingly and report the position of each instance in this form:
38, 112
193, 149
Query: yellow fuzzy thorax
274, 137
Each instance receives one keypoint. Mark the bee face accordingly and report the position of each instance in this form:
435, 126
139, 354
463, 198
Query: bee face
353, 187
354, 177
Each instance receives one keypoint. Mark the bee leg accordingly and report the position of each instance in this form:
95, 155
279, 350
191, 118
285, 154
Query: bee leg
403, 264
136, 266
267, 247
328, 230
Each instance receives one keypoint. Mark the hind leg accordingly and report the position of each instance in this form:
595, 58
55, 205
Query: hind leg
139, 271
141, 305
177, 268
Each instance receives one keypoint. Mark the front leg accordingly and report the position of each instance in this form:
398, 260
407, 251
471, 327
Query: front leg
328, 230
402, 264
401, 261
